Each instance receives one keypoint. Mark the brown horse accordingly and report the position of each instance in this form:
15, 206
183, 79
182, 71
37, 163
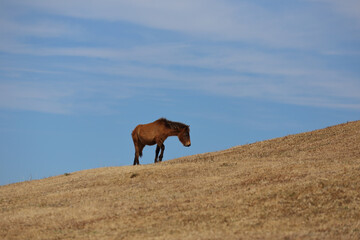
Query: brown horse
156, 133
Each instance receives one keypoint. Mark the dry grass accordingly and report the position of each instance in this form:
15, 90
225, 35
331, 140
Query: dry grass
304, 186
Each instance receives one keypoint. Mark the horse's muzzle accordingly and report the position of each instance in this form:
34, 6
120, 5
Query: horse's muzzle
187, 145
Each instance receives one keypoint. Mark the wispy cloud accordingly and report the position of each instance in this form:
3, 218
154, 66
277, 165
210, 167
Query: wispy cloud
293, 25
237, 73
239, 49
34, 97
39, 29
347, 8
63, 97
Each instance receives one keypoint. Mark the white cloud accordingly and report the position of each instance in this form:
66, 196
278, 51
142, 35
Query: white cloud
63, 97
347, 8
279, 64
207, 57
33, 97
217, 20
299, 26
39, 29
232, 72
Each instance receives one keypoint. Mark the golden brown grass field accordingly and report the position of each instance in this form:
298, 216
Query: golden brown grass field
304, 186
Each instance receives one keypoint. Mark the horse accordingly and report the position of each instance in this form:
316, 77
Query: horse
156, 133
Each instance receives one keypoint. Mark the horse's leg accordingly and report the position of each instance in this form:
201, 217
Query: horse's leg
136, 158
157, 153
162, 152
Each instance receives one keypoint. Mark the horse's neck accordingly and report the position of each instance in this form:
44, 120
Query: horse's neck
173, 132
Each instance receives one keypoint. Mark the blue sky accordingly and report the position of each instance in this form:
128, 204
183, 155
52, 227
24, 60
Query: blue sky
77, 76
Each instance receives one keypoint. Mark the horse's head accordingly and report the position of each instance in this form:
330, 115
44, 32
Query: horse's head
184, 136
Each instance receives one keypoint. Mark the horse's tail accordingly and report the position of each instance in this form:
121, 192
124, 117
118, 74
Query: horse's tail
140, 152
137, 142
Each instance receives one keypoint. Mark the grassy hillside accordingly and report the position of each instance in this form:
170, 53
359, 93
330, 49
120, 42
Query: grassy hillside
304, 186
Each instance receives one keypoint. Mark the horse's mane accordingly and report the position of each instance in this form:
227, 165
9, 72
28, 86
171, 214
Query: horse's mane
173, 125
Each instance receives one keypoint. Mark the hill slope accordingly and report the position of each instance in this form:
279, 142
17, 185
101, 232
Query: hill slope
304, 186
